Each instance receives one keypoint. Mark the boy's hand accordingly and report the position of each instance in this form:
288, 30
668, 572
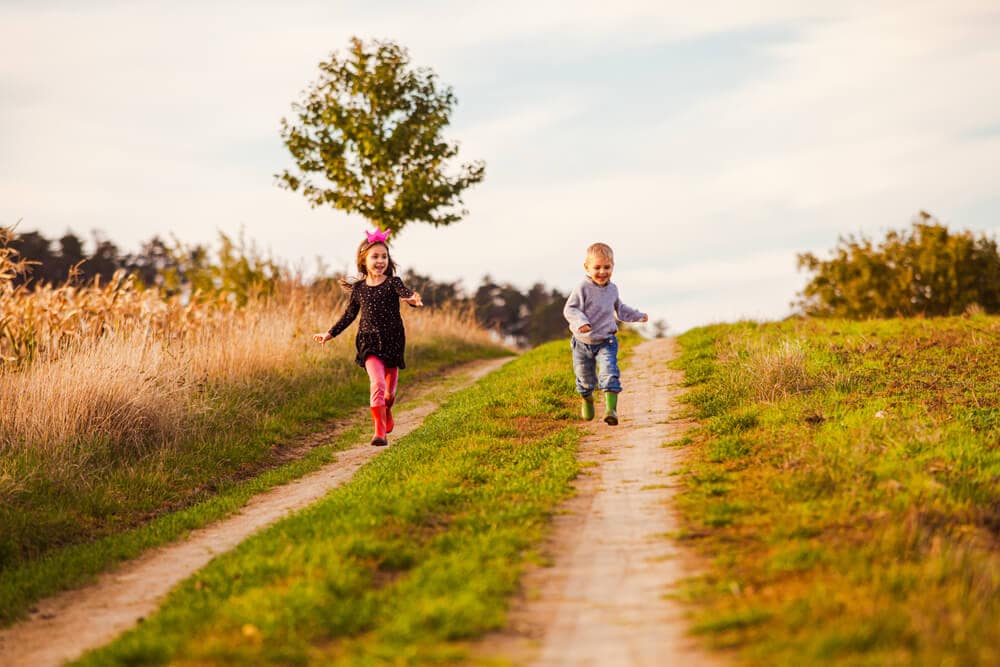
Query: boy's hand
645, 318
321, 338
585, 328
414, 300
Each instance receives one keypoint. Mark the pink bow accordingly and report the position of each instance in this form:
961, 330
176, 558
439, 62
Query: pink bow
378, 236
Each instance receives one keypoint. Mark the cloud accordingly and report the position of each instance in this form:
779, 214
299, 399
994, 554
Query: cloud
707, 143
713, 274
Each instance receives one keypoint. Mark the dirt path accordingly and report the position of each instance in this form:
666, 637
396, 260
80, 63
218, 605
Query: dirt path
602, 602
65, 626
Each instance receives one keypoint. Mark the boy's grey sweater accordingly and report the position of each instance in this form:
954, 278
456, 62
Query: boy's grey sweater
589, 303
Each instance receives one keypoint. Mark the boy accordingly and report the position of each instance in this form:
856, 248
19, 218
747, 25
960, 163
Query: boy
590, 310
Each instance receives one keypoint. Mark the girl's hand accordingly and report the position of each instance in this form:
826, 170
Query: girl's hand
414, 300
645, 318
585, 328
321, 338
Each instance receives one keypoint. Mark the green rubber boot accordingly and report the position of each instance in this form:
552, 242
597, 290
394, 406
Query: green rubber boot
587, 409
611, 413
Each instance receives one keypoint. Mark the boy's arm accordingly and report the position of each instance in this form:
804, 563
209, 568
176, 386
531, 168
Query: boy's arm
573, 311
628, 313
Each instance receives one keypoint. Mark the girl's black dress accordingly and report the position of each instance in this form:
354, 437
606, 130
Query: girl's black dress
380, 331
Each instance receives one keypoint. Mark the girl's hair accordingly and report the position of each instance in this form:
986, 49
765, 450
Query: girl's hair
390, 269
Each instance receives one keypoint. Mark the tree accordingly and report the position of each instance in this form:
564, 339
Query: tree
239, 271
927, 270
35, 249
70, 258
369, 131
502, 307
545, 319
152, 262
103, 262
433, 293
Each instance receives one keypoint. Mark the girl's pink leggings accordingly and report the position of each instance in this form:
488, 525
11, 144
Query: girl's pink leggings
383, 380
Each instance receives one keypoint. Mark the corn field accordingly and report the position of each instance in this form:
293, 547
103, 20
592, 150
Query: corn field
118, 363
117, 403
44, 322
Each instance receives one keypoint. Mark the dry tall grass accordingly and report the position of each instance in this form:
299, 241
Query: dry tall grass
43, 322
88, 368
778, 371
768, 370
141, 388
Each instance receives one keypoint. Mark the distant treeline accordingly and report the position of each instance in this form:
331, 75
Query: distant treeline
529, 318
54, 261
237, 268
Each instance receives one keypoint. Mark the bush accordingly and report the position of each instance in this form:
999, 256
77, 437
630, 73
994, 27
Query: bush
927, 270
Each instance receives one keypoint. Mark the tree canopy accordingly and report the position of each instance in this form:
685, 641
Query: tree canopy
366, 139
926, 270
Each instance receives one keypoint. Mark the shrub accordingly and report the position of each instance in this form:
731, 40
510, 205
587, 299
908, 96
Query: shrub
928, 270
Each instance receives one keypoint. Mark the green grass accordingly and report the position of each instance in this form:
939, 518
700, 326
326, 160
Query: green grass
420, 551
845, 489
54, 537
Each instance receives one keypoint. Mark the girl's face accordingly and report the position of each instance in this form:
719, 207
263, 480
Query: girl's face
376, 260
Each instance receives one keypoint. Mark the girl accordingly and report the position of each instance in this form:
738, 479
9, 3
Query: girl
380, 341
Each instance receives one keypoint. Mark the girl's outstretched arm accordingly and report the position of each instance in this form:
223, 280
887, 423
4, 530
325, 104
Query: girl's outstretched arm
405, 293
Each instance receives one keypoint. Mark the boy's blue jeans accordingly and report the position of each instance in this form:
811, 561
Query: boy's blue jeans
596, 365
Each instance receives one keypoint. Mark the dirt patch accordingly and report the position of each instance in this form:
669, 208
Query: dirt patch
65, 626
603, 600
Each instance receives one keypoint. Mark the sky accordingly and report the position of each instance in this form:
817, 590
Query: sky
708, 143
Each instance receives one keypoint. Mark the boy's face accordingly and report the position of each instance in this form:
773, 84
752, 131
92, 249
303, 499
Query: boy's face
599, 269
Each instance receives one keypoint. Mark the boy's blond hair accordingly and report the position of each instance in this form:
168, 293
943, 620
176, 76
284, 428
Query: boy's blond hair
601, 250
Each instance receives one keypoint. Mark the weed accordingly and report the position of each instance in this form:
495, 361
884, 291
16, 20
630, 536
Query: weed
727, 448
733, 422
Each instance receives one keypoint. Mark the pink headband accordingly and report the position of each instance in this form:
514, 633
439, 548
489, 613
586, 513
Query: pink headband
378, 236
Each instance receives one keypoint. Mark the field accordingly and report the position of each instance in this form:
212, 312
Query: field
419, 552
845, 488
122, 408
842, 484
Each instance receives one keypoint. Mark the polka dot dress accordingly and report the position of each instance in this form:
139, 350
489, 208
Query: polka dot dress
380, 330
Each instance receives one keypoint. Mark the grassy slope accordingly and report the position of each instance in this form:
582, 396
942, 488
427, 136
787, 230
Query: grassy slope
846, 487
419, 551
53, 538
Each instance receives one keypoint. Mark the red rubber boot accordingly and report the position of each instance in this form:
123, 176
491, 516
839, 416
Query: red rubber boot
389, 423
378, 416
